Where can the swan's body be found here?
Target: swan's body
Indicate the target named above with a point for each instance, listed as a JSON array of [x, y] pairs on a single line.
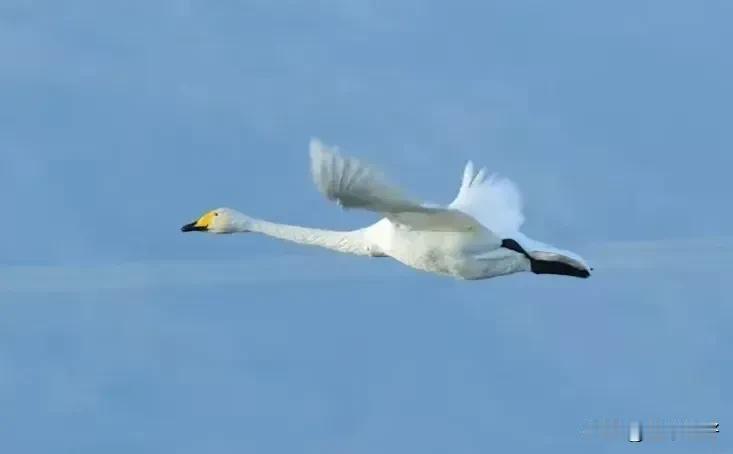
[[475, 237]]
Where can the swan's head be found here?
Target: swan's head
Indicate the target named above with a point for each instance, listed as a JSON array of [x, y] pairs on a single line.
[[220, 220]]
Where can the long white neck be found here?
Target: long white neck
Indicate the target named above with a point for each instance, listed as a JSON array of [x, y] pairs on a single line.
[[349, 242]]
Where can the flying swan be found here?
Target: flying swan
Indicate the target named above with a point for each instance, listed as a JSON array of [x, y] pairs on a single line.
[[475, 237]]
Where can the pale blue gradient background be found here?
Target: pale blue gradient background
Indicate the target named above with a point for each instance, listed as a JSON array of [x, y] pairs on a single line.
[[120, 121]]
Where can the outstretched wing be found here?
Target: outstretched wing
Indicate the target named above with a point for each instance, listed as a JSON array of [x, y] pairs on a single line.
[[354, 184], [494, 201]]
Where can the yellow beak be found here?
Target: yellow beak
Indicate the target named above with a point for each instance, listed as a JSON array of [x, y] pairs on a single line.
[[201, 225]]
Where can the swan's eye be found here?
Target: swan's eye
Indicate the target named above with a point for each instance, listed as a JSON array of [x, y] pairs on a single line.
[[216, 214]]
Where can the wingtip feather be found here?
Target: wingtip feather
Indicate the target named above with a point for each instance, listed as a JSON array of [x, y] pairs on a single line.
[[467, 175], [480, 176], [316, 147]]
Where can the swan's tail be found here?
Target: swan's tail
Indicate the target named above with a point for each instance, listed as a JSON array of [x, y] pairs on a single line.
[[553, 267], [549, 263]]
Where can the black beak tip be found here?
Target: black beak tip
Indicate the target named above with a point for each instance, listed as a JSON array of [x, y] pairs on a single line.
[[189, 227]]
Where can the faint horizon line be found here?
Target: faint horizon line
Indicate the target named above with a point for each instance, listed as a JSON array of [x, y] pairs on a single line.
[[681, 255]]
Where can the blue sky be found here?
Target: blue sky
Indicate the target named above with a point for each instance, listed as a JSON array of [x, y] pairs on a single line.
[[120, 121]]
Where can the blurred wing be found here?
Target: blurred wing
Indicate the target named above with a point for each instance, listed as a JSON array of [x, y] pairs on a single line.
[[494, 202], [353, 184]]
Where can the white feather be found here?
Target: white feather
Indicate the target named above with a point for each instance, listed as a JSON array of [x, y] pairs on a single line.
[[463, 239], [354, 184], [495, 202]]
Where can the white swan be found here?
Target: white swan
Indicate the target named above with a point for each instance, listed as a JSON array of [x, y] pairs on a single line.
[[475, 237]]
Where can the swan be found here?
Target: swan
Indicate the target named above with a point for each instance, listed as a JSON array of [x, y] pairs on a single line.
[[474, 237]]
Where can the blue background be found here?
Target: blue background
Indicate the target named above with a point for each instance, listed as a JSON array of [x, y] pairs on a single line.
[[120, 121]]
